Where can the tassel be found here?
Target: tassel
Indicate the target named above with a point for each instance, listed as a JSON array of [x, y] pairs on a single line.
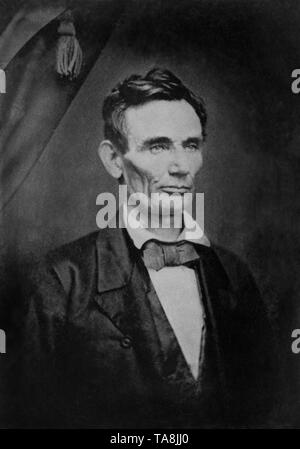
[[68, 52]]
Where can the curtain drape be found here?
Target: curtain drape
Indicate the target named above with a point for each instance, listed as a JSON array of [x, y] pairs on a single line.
[[36, 96]]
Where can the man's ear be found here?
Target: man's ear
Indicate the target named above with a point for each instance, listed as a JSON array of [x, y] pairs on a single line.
[[110, 158]]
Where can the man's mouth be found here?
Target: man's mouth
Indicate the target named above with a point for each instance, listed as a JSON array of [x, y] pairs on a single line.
[[180, 190]]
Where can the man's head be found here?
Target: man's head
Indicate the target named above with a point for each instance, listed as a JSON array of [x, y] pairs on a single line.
[[154, 129]]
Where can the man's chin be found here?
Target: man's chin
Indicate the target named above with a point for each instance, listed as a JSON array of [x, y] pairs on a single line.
[[161, 203]]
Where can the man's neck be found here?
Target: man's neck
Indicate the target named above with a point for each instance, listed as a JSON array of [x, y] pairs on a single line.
[[166, 234], [167, 230]]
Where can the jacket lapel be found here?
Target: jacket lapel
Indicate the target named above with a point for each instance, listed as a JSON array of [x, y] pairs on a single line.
[[219, 303], [122, 295]]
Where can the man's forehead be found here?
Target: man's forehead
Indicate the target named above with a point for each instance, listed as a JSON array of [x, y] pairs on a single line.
[[176, 118]]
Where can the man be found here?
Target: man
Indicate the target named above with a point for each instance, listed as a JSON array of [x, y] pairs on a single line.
[[139, 325]]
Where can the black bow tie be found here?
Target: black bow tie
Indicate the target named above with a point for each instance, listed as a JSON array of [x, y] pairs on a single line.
[[157, 255]]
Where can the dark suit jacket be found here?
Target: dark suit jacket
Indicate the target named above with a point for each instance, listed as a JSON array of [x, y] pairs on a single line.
[[92, 356]]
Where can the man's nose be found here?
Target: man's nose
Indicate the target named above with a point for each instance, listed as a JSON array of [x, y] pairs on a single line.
[[179, 162]]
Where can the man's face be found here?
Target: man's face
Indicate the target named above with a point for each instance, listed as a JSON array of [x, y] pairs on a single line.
[[164, 148]]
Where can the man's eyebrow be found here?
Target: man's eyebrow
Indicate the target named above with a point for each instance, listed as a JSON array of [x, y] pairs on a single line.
[[160, 140], [155, 141], [194, 140]]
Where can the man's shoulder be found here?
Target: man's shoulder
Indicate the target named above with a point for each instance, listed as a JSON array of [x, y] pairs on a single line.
[[72, 263], [227, 256], [74, 251], [236, 268], [62, 265], [81, 259]]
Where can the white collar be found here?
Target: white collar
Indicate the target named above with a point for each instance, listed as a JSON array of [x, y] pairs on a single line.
[[140, 235]]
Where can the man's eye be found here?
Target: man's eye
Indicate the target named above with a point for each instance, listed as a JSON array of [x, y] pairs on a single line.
[[158, 148], [192, 146]]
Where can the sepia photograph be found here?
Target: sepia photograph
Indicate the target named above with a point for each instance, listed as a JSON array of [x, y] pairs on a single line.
[[149, 216]]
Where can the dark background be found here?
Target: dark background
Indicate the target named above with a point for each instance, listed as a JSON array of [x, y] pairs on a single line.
[[239, 56]]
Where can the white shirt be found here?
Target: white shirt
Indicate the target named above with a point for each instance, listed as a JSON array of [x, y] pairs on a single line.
[[177, 290]]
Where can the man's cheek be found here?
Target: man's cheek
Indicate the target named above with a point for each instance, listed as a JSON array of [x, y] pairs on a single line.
[[139, 183], [197, 165], [143, 179], [194, 170], [132, 176]]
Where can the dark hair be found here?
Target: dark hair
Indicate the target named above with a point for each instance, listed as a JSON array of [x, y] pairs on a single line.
[[157, 84]]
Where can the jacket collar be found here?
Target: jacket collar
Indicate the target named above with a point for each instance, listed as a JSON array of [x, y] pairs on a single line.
[[115, 258]]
